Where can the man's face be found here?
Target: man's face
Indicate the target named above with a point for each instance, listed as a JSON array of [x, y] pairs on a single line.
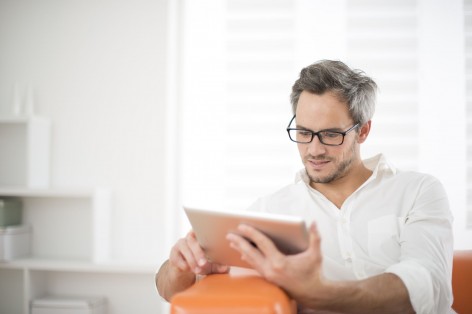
[[326, 164]]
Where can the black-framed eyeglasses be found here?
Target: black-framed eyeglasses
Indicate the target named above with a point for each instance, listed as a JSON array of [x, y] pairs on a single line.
[[326, 137]]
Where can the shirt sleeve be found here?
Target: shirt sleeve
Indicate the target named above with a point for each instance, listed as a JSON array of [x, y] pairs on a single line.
[[425, 265]]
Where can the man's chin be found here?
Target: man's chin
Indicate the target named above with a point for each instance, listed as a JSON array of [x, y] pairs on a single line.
[[318, 178]]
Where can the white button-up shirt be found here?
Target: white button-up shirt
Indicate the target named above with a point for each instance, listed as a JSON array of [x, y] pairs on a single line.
[[396, 222]]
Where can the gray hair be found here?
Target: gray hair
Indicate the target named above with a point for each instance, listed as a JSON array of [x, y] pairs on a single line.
[[351, 86]]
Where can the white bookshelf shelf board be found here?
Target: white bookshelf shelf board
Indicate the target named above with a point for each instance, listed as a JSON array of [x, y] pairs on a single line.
[[36, 264], [49, 193], [14, 119]]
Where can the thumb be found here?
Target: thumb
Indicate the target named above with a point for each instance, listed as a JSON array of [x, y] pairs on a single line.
[[314, 237]]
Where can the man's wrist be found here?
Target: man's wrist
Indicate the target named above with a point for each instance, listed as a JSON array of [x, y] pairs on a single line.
[[171, 280]]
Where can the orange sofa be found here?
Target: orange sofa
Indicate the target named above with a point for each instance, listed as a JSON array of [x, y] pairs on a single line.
[[462, 281], [228, 294]]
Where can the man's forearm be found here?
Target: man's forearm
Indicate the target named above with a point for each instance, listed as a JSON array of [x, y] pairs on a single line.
[[170, 280], [384, 293]]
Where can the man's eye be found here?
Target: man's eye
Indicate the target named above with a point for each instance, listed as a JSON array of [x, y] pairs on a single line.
[[330, 134], [304, 133]]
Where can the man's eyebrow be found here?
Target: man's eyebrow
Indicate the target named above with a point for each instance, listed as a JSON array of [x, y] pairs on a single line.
[[302, 127]]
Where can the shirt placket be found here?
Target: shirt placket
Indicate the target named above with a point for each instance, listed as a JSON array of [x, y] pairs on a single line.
[[345, 241]]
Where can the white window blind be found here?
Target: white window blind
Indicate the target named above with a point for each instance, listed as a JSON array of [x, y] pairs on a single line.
[[237, 148], [260, 53], [382, 41]]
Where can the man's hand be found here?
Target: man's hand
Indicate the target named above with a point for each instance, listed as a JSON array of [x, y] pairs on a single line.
[[300, 274], [187, 255], [186, 260]]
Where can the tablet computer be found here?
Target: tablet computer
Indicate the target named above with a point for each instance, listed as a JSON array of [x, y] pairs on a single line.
[[289, 233]]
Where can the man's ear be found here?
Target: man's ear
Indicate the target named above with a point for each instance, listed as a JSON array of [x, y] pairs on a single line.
[[364, 131]]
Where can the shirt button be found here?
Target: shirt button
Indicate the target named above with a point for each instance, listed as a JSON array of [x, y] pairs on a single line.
[[348, 257]]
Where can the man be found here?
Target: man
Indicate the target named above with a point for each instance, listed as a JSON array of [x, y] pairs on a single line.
[[380, 239]]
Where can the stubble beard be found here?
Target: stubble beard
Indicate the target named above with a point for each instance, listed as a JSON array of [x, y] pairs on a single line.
[[337, 173]]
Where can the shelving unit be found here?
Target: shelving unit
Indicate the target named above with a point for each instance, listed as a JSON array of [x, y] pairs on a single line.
[[70, 233], [70, 240]]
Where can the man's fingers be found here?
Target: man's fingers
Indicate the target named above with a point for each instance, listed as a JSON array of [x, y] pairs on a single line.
[[248, 249], [259, 240], [314, 247], [315, 239], [187, 255], [197, 251], [178, 260]]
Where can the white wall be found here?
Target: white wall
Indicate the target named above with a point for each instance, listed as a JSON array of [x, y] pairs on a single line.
[[98, 71]]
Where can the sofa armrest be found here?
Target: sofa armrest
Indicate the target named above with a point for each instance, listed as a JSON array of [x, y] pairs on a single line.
[[462, 281], [225, 293]]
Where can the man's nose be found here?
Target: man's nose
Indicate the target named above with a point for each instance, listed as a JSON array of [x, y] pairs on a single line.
[[315, 147]]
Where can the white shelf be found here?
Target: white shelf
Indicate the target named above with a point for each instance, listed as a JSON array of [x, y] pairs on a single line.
[[52, 193], [77, 266], [14, 119]]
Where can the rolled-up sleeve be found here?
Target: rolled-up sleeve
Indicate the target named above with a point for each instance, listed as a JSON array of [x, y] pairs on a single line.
[[426, 241]]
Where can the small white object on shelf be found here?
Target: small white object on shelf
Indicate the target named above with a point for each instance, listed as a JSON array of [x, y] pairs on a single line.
[[29, 101], [16, 100], [22, 105], [25, 144], [68, 305], [14, 242]]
